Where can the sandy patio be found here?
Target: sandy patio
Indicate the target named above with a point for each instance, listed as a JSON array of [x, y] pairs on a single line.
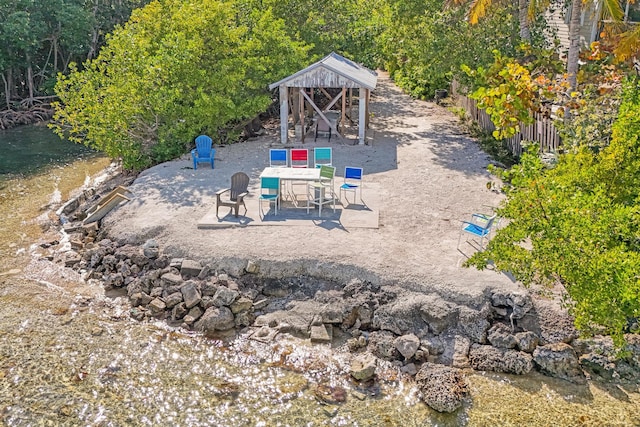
[[422, 175]]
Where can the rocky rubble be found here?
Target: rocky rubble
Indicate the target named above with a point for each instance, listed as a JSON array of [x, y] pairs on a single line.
[[426, 336]]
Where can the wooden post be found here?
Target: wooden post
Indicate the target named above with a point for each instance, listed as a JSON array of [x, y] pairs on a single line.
[[367, 107], [344, 107], [284, 114], [302, 114], [362, 114]]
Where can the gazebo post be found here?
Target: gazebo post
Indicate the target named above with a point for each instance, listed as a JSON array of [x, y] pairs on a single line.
[[284, 114], [344, 108], [362, 114], [302, 114]]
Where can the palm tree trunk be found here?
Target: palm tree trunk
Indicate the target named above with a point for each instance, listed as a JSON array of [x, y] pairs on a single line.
[[523, 10], [574, 44]]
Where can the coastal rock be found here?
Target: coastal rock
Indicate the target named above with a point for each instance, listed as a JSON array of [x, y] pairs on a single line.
[[442, 388], [224, 296], [500, 336], [407, 345], [240, 305], [488, 358], [252, 267], [438, 314], [151, 249], [599, 357], [194, 314], [215, 319], [549, 323], [400, 317], [190, 294], [173, 299], [171, 279], [473, 323], [209, 288], [157, 307], [559, 360], [382, 344], [527, 341], [321, 333], [190, 268], [461, 346], [363, 367], [518, 304], [179, 311]]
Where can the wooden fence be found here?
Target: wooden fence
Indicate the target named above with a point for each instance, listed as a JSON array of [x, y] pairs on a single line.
[[541, 130]]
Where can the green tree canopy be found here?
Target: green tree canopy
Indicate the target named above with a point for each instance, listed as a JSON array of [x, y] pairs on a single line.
[[174, 70], [578, 225]]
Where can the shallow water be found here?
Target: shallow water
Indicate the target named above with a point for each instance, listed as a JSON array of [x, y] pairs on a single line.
[[68, 359]]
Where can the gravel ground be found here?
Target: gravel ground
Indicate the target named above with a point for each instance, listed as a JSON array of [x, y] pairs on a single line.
[[431, 175]]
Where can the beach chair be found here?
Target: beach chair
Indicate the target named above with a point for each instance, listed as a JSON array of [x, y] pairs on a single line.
[[479, 226], [270, 192], [235, 194], [352, 183], [203, 151], [322, 156], [278, 158], [321, 192], [299, 158]]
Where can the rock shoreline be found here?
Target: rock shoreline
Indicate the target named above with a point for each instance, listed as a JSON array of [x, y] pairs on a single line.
[[427, 336]]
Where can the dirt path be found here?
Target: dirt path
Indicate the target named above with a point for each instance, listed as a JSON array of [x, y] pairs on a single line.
[[431, 176]]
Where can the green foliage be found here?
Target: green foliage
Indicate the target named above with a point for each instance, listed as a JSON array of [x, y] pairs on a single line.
[[511, 90], [426, 43], [173, 71], [349, 27], [38, 39], [578, 225]]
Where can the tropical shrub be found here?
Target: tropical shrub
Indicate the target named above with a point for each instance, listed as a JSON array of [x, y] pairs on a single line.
[[174, 70], [578, 226]]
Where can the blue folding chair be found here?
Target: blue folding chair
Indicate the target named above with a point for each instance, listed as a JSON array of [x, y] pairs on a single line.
[[479, 227], [278, 158], [322, 156], [352, 182], [269, 191], [203, 151]]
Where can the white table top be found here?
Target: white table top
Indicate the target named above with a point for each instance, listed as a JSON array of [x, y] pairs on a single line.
[[297, 174]]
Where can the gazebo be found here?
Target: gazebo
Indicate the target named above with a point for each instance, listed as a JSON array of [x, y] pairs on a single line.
[[333, 71]]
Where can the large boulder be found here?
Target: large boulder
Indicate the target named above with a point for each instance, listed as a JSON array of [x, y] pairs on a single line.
[[500, 336], [559, 360], [190, 293], [442, 388], [549, 322], [215, 319], [438, 313], [488, 358]]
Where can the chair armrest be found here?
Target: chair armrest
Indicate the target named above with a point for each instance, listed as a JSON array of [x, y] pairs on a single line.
[[220, 192], [241, 195]]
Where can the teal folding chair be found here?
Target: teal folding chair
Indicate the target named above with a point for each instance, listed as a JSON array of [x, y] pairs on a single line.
[[322, 156], [270, 192]]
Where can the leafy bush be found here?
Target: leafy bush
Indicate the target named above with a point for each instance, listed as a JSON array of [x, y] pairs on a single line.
[[577, 225], [173, 71]]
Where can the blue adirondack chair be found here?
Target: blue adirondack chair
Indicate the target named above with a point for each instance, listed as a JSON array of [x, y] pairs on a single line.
[[203, 151]]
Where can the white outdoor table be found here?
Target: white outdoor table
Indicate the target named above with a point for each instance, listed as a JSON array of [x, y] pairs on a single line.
[[292, 174]]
